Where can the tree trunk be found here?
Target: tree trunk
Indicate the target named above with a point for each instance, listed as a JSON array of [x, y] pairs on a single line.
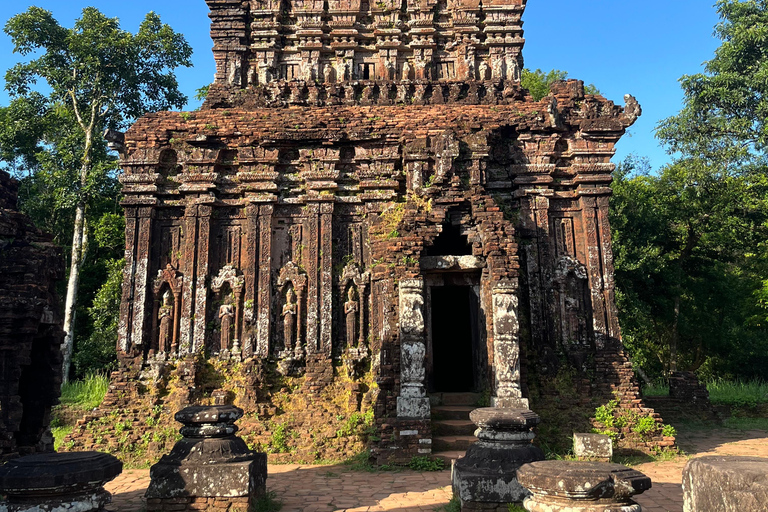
[[79, 247], [675, 335]]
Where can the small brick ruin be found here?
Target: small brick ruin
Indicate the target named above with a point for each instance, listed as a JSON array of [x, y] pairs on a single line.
[[369, 202], [30, 329]]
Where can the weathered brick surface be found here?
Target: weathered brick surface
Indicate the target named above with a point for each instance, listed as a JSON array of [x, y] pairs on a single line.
[[30, 329], [300, 221]]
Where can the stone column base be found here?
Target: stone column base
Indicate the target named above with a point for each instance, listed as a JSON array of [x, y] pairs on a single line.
[[554, 504], [408, 407], [198, 503]]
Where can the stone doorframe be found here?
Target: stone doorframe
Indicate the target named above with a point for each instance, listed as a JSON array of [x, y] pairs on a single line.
[[413, 401]]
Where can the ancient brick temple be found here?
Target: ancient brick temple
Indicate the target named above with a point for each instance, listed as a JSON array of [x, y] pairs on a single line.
[[368, 189], [30, 329]]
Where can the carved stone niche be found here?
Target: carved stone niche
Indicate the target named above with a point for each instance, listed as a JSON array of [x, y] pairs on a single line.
[[228, 285], [166, 313], [292, 291], [571, 285], [353, 288]]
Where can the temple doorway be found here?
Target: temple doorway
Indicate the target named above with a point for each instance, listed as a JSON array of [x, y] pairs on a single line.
[[454, 339]]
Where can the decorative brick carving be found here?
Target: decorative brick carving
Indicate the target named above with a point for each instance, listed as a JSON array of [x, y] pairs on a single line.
[[350, 160]]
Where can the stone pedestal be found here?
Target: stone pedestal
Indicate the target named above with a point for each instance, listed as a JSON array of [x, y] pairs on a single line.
[[566, 486], [595, 447], [210, 467], [486, 477], [58, 482], [725, 484]]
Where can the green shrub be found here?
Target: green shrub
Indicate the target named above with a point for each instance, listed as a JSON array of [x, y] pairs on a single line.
[[668, 431], [267, 502], [645, 425], [426, 464], [452, 506], [278, 441]]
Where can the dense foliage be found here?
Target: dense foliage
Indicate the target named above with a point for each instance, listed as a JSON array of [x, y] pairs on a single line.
[[93, 77], [690, 241]]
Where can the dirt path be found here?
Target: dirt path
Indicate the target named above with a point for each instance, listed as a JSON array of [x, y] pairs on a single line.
[[667, 492], [304, 488]]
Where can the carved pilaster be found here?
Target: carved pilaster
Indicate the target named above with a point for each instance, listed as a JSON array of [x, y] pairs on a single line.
[[124, 328], [413, 401], [201, 276], [326, 277], [265, 281], [139, 330], [506, 347], [187, 267]]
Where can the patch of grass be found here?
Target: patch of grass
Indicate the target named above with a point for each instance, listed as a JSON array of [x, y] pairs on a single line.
[[738, 394], [511, 507], [362, 462], [426, 464], [59, 433], [267, 502], [746, 423], [658, 388], [85, 394], [452, 506]]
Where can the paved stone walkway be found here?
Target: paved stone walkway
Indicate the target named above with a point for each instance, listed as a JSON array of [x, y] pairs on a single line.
[[304, 488]]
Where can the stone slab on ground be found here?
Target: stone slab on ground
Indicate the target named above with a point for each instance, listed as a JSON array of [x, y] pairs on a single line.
[[725, 484]]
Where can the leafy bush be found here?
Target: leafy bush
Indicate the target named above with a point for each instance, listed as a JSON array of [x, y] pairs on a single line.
[[278, 441], [612, 420], [426, 464], [97, 352], [267, 502]]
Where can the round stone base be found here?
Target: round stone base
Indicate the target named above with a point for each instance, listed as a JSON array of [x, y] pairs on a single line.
[[554, 504]]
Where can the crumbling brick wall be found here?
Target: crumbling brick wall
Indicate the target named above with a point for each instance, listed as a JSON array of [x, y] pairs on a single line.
[[298, 221], [30, 329]]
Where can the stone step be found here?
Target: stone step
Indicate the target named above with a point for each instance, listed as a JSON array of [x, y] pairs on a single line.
[[451, 412], [463, 427], [469, 399], [449, 457], [452, 443]]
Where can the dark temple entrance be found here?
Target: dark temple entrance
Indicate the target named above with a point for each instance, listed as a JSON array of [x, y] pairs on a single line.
[[454, 319]]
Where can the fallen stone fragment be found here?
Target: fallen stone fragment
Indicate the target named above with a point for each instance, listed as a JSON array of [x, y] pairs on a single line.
[[725, 484], [58, 482], [593, 447], [569, 486]]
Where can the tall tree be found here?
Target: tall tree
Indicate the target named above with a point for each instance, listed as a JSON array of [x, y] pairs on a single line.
[[694, 283], [100, 77], [726, 107]]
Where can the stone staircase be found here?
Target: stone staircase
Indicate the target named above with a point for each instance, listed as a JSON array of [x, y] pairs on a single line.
[[452, 430]]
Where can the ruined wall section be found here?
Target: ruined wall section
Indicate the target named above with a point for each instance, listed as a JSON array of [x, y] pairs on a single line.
[[295, 236], [30, 329]]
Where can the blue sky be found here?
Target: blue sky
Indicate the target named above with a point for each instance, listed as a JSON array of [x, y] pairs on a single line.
[[640, 48]]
